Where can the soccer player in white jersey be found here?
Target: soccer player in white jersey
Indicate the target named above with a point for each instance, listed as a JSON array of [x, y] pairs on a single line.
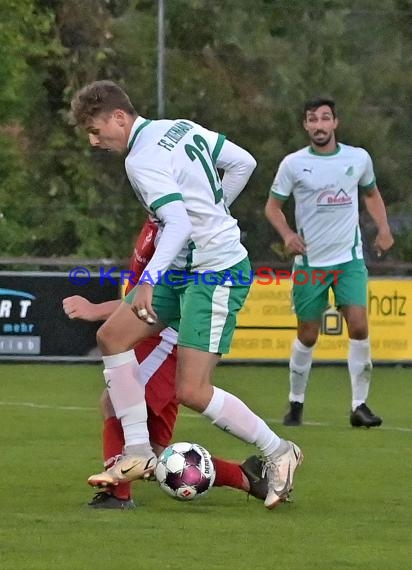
[[326, 179], [172, 166]]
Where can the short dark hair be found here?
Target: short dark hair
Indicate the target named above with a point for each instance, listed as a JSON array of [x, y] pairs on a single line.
[[96, 98], [316, 102]]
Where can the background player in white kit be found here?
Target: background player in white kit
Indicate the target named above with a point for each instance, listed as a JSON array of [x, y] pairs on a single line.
[[172, 166], [326, 179]]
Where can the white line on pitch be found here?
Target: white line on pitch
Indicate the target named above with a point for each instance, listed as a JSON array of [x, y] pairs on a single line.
[[182, 414]]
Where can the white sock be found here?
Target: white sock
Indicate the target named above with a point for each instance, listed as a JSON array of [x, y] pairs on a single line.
[[300, 364], [230, 414], [127, 395], [360, 370]]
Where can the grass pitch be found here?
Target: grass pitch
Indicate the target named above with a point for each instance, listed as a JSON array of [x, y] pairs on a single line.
[[353, 499]]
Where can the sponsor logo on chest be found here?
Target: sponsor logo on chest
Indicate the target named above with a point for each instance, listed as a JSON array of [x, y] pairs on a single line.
[[331, 197]]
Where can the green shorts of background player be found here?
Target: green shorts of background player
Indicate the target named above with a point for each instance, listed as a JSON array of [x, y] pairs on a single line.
[[311, 287]]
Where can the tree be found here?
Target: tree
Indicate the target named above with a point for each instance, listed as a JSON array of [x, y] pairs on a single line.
[[238, 67], [24, 37]]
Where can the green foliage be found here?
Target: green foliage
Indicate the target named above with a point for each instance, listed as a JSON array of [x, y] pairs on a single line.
[[238, 67], [23, 38]]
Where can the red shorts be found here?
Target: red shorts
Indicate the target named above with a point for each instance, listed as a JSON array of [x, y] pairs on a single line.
[[160, 393]]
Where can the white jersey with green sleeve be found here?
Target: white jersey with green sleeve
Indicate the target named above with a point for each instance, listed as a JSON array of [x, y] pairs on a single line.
[[325, 188], [177, 160]]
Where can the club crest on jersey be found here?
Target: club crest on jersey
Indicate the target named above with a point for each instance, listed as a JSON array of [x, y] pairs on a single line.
[[331, 198]]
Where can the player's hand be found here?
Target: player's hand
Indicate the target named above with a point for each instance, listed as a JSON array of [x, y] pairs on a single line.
[[295, 244], [142, 304], [78, 307], [384, 241]]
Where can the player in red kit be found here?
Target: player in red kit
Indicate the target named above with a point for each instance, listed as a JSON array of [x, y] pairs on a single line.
[[157, 358]]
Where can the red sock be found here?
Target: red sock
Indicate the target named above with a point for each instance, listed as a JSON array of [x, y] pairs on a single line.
[[113, 441], [228, 474]]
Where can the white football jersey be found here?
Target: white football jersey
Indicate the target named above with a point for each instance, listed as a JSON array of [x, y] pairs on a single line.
[[172, 160], [325, 188]]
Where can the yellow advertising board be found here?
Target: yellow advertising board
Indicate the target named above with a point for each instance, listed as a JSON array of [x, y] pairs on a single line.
[[266, 325]]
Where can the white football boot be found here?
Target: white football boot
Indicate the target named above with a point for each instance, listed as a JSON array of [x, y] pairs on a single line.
[[127, 468], [279, 472]]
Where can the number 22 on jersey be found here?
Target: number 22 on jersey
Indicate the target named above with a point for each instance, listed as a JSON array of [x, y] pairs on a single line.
[[201, 151]]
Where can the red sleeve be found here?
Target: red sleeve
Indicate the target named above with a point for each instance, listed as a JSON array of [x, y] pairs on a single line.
[[143, 252]]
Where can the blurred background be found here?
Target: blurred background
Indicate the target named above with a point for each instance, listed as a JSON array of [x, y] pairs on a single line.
[[242, 68]]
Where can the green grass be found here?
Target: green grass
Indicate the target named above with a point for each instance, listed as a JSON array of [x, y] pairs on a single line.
[[352, 509]]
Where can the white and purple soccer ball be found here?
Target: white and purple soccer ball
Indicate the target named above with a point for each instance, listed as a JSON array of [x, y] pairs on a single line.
[[185, 471]]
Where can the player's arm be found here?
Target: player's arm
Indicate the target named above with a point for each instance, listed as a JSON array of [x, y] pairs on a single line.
[[176, 231], [376, 208], [293, 241], [238, 165], [375, 205], [144, 249], [280, 191], [162, 194], [78, 307]]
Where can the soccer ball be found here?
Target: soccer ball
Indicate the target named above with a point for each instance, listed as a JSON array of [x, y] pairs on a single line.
[[185, 471]]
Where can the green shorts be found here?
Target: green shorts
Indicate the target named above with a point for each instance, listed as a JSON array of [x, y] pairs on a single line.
[[311, 285], [204, 304]]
